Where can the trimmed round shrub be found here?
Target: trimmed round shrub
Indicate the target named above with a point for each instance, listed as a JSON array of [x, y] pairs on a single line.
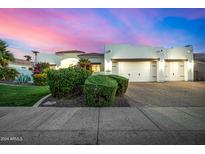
[[40, 79], [8, 74], [100, 91], [67, 81], [122, 84]]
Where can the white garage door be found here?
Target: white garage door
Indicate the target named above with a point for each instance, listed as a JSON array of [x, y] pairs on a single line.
[[138, 71], [174, 71]]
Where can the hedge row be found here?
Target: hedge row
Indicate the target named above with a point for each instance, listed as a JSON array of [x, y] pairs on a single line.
[[67, 81], [122, 84], [100, 90]]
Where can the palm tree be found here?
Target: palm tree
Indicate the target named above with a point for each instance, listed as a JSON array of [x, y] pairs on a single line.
[[5, 55], [85, 63], [28, 58]]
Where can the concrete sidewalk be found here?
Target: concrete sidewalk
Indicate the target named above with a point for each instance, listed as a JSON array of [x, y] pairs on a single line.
[[131, 125]]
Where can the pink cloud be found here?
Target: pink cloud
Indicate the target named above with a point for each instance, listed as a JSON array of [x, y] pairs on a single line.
[[147, 40], [50, 30], [31, 34], [19, 53], [33, 29]]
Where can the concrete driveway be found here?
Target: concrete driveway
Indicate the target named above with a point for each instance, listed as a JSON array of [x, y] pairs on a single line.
[[167, 94], [125, 125]]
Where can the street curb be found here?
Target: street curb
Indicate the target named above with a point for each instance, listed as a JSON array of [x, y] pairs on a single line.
[[41, 100]]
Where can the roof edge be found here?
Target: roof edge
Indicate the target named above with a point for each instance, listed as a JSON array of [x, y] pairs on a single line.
[[69, 51], [92, 54]]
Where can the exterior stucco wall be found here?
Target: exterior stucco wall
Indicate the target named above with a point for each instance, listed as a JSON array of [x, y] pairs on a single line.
[[68, 59], [64, 60], [129, 52], [148, 52], [59, 59], [179, 53]]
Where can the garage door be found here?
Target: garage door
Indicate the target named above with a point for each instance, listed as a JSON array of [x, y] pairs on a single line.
[[174, 71], [138, 71]]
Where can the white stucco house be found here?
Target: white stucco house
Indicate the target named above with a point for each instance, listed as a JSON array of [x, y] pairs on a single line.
[[148, 64], [137, 63]]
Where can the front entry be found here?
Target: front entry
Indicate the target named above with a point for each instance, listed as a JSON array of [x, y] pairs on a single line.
[[95, 67]]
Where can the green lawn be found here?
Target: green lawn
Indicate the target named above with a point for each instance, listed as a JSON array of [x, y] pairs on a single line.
[[21, 95]]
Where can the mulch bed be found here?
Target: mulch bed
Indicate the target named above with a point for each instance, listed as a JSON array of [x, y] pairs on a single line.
[[78, 101]]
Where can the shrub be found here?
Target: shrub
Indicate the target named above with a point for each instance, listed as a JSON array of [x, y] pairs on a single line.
[[85, 63], [40, 68], [23, 78], [40, 79], [40, 74], [122, 84], [8, 74], [67, 81], [100, 91]]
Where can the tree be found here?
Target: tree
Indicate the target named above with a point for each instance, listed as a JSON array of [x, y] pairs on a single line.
[[5, 55], [28, 58], [85, 63]]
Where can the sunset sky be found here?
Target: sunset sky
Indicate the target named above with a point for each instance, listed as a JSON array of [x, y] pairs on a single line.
[[50, 30]]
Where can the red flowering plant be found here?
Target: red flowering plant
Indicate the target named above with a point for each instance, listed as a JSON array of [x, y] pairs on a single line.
[[40, 68], [40, 73]]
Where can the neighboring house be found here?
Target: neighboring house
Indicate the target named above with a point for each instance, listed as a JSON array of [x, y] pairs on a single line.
[[22, 66], [138, 63], [199, 66]]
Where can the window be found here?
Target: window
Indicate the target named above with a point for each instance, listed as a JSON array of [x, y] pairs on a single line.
[[96, 67]]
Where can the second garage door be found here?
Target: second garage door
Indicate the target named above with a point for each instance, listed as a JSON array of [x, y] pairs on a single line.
[[174, 71], [138, 71]]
